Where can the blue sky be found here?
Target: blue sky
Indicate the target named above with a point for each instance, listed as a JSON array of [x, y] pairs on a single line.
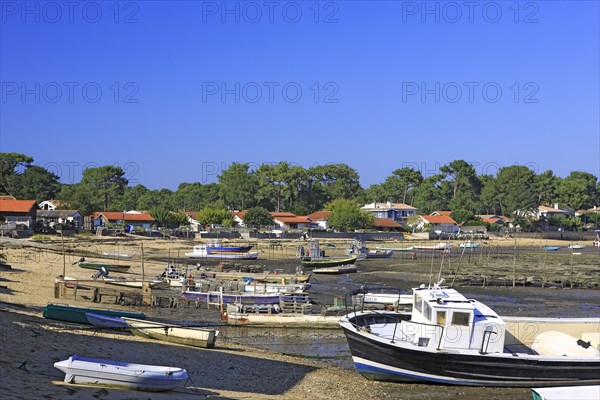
[[173, 92]]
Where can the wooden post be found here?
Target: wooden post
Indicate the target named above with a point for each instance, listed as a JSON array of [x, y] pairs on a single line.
[[63, 250], [146, 294], [143, 269]]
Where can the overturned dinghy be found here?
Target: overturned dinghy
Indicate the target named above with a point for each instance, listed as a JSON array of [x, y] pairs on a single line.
[[151, 378]]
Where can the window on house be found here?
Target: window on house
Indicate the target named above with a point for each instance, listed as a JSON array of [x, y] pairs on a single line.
[[460, 318]]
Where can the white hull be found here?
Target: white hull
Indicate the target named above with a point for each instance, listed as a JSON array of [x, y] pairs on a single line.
[[116, 373], [567, 393], [129, 283], [388, 298], [191, 336], [283, 320], [253, 255], [118, 255]]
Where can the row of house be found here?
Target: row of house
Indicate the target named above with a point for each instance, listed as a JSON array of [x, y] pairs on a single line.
[[28, 215], [388, 216]]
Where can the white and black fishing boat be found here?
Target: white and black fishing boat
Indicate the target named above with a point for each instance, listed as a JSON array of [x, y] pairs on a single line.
[[450, 339]]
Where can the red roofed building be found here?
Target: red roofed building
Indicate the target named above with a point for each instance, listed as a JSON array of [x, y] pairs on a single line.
[[133, 218], [293, 222], [398, 212], [494, 219], [442, 213], [320, 218], [386, 224], [22, 212], [437, 224]]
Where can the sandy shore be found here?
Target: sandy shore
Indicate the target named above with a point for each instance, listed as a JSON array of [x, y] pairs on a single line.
[[32, 344]]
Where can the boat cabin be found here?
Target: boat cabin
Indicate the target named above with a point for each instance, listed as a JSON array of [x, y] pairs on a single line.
[[442, 318]]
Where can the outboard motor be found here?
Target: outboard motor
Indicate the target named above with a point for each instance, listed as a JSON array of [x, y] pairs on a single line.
[[102, 272]]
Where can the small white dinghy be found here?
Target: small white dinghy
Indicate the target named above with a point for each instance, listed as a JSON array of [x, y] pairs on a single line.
[[151, 378], [567, 393]]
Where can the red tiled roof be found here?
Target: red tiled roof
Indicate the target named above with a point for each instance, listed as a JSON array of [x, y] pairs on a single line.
[[117, 215], [319, 215], [293, 220], [442, 213], [240, 214], [386, 223], [438, 219], [16, 206], [276, 214]]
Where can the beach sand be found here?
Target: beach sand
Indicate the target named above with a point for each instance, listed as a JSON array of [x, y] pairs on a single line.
[[32, 344]]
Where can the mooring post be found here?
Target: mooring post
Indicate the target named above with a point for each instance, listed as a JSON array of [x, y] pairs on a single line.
[[146, 294]]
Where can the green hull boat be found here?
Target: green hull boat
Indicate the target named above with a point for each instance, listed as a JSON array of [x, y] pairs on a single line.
[[78, 314], [109, 267]]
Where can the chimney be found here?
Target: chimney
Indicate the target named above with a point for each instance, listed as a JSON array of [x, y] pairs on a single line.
[[556, 206], [389, 204]]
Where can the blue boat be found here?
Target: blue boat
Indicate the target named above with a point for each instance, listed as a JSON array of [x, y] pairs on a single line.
[[78, 314], [551, 248], [105, 321]]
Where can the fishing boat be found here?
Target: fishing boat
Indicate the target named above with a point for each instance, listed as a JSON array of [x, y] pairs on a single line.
[[219, 297], [120, 256], [202, 251], [395, 248], [551, 248], [109, 267], [437, 247], [340, 269], [567, 393], [240, 315], [215, 247], [327, 262], [135, 283], [378, 253], [78, 314], [190, 336], [577, 246], [395, 299], [469, 245], [258, 276], [450, 339], [152, 378], [105, 321]]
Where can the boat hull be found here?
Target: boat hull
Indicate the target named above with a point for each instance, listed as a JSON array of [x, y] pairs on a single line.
[[379, 253], [223, 249], [343, 269], [104, 321], [109, 267], [227, 256], [115, 373], [189, 336], [334, 262], [78, 314], [379, 359]]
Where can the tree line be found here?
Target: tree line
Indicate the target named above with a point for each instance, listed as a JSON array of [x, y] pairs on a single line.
[[293, 188]]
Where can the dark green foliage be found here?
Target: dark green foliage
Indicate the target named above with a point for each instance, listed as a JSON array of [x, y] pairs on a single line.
[[258, 217]]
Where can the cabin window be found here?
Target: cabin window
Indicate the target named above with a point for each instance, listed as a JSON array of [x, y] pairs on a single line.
[[460, 318], [427, 310], [419, 303], [441, 317]]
